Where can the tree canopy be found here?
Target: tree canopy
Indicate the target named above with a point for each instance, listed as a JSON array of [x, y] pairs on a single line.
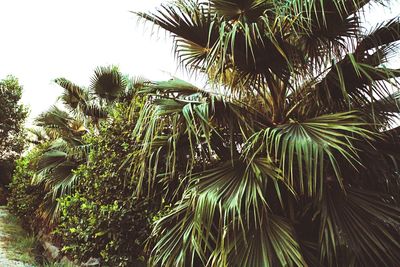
[[287, 159], [12, 118]]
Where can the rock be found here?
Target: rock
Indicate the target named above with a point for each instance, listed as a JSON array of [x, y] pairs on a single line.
[[52, 251], [92, 262]]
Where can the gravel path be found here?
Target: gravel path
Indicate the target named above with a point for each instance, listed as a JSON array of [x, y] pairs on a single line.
[[4, 262]]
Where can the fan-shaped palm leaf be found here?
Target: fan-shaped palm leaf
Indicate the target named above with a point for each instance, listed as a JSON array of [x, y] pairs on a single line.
[[108, 82]]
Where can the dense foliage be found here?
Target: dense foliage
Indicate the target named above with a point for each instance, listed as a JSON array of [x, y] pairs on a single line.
[[25, 198], [104, 218], [12, 117], [72, 185], [81, 111], [287, 158]]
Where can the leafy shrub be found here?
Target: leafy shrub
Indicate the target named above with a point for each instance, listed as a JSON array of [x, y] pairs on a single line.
[[114, 232], [104, 218], [25, 198]]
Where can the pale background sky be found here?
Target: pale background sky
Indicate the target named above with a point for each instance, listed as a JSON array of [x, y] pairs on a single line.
[[45, 39]]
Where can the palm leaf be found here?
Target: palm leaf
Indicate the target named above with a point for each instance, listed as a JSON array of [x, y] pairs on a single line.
[[192, 28], [249, 10], [301, 148], [383, 34], [362, 222], [73, 95], [231, 195], [108, 82]]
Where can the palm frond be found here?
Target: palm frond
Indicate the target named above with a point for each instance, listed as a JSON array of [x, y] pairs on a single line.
[[174, 85], [37, 135], [355, 83], [231, 196], [361, 222], [193, 31], [108, 82], [55, 170], [73, 95], [303, 149], [249, 10], [54, 118], [383, 34]]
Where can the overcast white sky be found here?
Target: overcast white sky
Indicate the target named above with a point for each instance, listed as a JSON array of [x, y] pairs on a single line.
[[45, 39]]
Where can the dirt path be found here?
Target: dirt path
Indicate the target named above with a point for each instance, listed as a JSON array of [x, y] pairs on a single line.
[[4, 262]]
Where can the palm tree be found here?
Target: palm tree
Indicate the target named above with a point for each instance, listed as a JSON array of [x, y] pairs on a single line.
[[63, 130], [293, 162], [107, 85]]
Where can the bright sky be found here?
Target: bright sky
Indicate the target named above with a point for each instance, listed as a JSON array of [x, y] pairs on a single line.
[[46, 39]]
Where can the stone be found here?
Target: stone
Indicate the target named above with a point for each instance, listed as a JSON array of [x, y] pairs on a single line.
[[92, 262], [52, 251]]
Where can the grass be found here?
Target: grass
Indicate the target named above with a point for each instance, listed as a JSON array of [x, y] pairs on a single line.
[[20, 246]]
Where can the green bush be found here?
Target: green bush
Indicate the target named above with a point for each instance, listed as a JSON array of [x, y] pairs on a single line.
[[113, 232], [25, 198], [104, 218]]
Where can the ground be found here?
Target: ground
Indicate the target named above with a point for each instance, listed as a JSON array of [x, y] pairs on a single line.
[[16, 247]]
